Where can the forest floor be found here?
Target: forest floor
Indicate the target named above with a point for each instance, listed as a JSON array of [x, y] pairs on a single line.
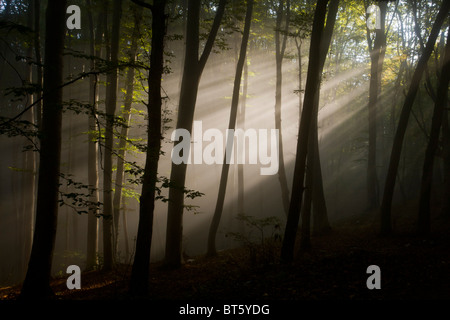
[[336, 269]]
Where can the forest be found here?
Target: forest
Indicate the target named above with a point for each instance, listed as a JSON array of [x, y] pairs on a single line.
[[271, 150]]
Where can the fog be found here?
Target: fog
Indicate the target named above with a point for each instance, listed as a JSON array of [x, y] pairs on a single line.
[[342, 131]]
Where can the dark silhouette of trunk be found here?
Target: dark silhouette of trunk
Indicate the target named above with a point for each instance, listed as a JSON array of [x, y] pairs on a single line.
[[26, 212], [385, 212], [110, 103], [241, 125], [312, 87], [314, 196], [92, 229], [129, 85], [280, 47], [231, 126], [139, 281], [445, 210], [298, 44], [125, 228], [424, 219], [38, 58], [37, 280], [193, 68], [377, 53]]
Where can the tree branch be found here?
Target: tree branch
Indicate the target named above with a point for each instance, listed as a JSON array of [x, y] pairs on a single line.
[[143, 4], [212, 35]]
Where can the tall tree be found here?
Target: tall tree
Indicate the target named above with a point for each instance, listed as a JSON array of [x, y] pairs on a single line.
[[231, 126], [38, 58], [377, 52], [92, 229], [312, 86], [193, 68], [129, 89], [385, 211], [140, 271], [110, 103], [37, 280], [424, 221], [281, 35], [314, 194]]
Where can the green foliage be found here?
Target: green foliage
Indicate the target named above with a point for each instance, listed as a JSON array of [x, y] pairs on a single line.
[[76, 195]]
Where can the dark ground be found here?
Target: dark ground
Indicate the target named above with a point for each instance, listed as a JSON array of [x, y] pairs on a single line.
[[412, 268]]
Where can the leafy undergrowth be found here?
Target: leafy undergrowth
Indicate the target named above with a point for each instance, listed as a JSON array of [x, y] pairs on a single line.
[[411, 268]]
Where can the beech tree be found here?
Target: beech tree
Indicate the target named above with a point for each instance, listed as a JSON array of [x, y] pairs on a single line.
[[37, 280], [424, 219], [231, 126], [377, 49], [311, 89], [385, 211], [192, 71], [140, 271], [110, 103]]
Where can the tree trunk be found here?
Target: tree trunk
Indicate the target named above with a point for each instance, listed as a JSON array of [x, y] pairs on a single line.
[[139, 282], [314, 186], [241, 124], [111, 101], [312, 87], [388, 194], [280, 47], [231, 126], [377, 54], [38, 57], [445, 209], [37, 280], [193, 68], [424, 219], [29, 165], [92, 229], [124, 131]]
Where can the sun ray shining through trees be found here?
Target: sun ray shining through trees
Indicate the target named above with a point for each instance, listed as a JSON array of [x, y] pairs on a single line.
[[225, 149]]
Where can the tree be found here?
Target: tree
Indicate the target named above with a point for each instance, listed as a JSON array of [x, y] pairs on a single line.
[[377, 53], [280, 48], [231, 126], [140, 271], [193, 68], [37, 280], [311, 89], [111, 101], [129, 87], [313, 182], [385, 211], [424, 220], [95, 51]]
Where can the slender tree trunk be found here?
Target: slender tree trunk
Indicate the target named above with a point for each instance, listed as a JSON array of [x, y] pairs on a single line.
[[139, 282], [388, 194], [445, 210], [231, 126], [124, 130], [111, 101], [241, 125], [125, 228], [312, 87], [377, 57], [37, 280], [280, 45], [193, 68], [314, 186], [38, 57], [29, 164], [92, 229], [424, 220]]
